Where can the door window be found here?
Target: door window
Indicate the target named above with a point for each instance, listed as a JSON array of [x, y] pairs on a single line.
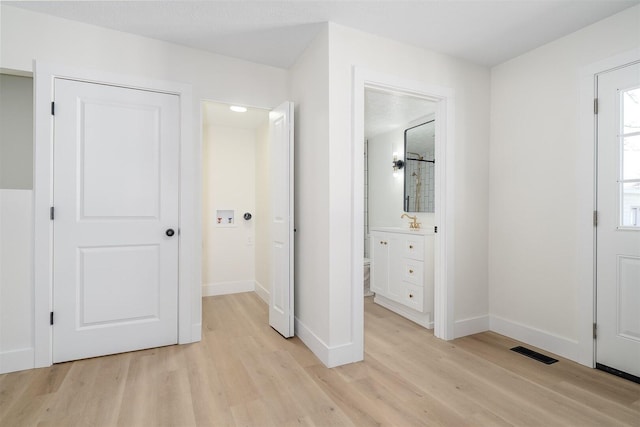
[[630, 157]]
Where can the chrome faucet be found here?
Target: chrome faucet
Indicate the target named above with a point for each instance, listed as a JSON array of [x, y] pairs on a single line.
[[414, 224]]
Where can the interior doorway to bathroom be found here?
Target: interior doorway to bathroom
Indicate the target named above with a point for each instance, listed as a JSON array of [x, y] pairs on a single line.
[[399, 204], [442, 99], [247, 194]]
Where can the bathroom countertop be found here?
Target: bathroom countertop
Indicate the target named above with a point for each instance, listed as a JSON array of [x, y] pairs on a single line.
[[424, 231]]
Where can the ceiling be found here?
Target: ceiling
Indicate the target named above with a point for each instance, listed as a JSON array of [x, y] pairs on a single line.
[[385, 111], [276, 32], [218, 114]]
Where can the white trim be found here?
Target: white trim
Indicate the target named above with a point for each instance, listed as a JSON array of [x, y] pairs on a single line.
[[16, 360], [190, 228], [422, 319], [586, 196], [444, 241], [226, 288], [471, 325], [330, 356], [556, 344], [262, 292]]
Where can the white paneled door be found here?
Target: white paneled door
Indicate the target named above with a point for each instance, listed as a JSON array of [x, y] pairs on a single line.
[[282, 229], [618, 228], [116, 202]]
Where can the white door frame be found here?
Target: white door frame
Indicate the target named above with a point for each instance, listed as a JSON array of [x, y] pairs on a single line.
[[587, 197], [444, 254], [189, 224]]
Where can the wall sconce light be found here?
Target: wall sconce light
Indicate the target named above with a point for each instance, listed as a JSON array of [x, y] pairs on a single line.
[[397, 164]]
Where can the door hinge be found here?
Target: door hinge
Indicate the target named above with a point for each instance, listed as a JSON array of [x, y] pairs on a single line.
[[595, 105], [595, 331], [595, 218], [52, 214], [53, 108], [435, 229], [51, 318]]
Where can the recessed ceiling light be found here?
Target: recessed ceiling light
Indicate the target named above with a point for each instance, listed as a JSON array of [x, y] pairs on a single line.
[[238, 109]]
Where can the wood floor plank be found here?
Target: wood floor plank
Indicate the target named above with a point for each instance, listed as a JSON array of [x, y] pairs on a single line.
[[243, 373]]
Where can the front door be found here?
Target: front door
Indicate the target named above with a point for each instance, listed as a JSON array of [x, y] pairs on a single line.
[[115, 216], [618, 229]]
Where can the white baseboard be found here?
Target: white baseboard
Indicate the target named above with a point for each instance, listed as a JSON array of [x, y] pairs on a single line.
[[330, 356], [16, 360], [470, 326], [262, 292], [422, 319], [544, 340], [224, 288]]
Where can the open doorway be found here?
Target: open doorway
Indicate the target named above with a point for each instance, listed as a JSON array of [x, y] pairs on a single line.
[[235, 200], [248, 205], [399, 204], [443, 215]]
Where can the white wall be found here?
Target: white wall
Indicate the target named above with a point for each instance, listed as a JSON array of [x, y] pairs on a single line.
[[348, 47], [310, 93], [16, 132], [541, 187], [25, 36], [16, 318], [228, 250]]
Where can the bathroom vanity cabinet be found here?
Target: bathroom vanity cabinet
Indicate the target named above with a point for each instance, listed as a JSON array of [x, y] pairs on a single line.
[[402, 272]]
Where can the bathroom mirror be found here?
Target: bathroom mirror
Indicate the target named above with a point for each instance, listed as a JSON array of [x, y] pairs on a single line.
[[419, 151]]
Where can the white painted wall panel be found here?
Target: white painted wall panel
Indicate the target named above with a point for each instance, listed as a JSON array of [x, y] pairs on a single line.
[[16, 288], [310, 93]]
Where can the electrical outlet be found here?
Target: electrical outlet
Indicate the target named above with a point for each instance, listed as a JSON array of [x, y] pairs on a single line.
[[249, 240]]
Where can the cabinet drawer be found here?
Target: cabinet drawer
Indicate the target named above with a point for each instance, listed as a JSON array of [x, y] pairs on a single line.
[[412, 296], [413, 271], [414, 247]]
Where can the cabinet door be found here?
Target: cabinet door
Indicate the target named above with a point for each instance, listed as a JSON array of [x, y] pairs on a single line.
[[380, 263]]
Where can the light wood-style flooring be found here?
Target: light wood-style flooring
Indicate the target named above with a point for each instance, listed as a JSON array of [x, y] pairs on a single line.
[[245, 374]]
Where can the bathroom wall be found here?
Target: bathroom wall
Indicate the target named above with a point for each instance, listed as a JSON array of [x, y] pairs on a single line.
[[426, 172], [229, 180], [386, 193]]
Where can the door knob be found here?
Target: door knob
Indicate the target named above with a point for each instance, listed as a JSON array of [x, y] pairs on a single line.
[[170, 232]]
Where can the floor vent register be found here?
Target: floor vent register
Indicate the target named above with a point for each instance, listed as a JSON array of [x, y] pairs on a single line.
[[534, 355]]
